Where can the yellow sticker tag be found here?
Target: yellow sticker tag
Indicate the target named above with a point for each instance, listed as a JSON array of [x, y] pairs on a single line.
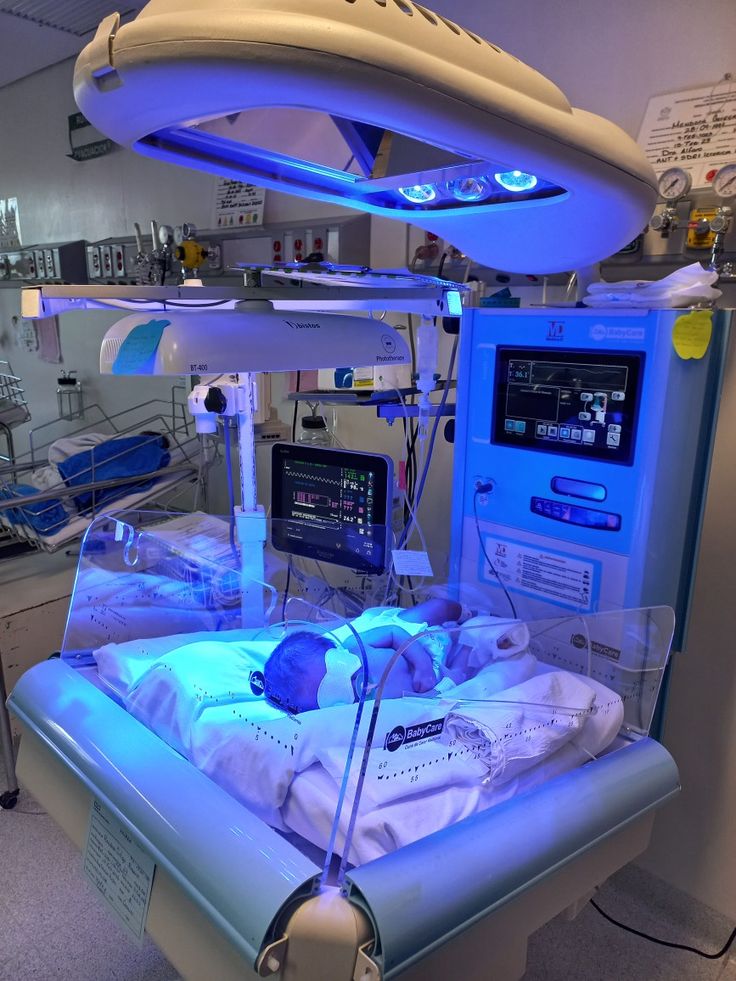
[[691, 334]]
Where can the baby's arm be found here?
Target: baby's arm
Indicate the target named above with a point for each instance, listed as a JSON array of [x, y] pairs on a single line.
[[393, 637], [432, 612]]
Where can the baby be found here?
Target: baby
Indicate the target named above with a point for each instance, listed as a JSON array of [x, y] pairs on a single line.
[[308, 670]]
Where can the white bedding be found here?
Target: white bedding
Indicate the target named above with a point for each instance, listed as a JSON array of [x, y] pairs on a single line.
[[530, 723]]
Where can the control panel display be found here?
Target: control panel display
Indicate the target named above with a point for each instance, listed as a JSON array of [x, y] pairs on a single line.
[[574, 403], [331, 505]]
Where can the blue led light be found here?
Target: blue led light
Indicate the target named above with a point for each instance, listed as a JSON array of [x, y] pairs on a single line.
[[419, 193], [469, 188], [516, 180]]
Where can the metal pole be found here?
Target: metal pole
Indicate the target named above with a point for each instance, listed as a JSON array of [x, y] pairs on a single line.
[[250, 519], [9, 799]]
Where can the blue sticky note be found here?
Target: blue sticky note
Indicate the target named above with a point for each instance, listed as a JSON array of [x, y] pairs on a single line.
[[138, 351]]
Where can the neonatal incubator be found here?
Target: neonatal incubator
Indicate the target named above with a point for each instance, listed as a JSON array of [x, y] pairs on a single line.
[[445, 799], [262, 820]]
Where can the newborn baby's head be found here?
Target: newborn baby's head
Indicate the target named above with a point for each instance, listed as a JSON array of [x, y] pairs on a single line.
[[307, 671]]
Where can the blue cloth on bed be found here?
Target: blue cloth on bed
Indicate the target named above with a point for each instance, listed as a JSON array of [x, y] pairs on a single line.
[[45, 517], [127, 456]]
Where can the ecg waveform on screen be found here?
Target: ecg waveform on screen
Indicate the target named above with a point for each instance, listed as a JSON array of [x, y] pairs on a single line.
[[315, 478], [331, 497]]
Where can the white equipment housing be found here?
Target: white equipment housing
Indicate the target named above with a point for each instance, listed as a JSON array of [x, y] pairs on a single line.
[[255, 338], [215, 87]]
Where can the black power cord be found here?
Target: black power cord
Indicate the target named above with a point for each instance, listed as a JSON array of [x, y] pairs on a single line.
[[666, 943], [484, 489], [287, 587]]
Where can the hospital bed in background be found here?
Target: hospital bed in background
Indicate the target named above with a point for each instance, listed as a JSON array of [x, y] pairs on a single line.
[[14, 412], [47, 510], [14, 409], [402, 836]]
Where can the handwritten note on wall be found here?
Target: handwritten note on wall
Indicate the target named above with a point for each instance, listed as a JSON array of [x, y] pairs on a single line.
[[694, 129]]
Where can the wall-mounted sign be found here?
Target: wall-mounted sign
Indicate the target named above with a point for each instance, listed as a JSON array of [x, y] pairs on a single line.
[[237, 205], [9, 225], [85, 151], [694, 129]]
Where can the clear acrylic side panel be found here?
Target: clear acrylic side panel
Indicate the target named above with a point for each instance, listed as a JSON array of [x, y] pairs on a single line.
[[345, 706], [177, 622], [147, 575], [466, 717]]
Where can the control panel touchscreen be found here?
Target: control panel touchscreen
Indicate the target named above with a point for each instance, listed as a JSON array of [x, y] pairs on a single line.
[[576, 403]]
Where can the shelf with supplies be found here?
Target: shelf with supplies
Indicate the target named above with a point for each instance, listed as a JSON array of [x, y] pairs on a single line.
[[386, 401]]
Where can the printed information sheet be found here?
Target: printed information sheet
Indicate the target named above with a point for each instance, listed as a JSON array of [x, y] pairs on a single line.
[[546, 574], [119, 869]]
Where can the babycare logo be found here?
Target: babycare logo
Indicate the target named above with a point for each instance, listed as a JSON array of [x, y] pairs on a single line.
[[303, 324], [602, 650], [599, 332], [399, 736], [257, 682]]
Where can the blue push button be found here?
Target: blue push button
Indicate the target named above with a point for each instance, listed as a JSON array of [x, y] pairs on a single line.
[[579, 488]]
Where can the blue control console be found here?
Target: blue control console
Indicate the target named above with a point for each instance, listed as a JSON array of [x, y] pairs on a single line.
[[594, 436]]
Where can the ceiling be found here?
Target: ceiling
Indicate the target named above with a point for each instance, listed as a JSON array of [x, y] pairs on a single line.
[[37, 33]]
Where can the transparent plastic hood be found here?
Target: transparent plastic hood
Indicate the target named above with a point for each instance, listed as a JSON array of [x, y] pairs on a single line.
[[348, 721]]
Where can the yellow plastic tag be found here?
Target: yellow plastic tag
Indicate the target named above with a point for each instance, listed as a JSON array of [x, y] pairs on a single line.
[[691, 334]]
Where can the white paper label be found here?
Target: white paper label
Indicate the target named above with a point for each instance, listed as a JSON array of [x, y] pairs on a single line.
[[548, 575], [119, 869], [694, 129], [409, 563], [237, 205], [9, 224]]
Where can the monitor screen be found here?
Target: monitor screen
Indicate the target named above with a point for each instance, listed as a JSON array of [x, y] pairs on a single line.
[[576, 403], [331, 504]]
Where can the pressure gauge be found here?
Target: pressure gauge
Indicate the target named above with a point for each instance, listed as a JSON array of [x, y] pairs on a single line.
[[674, 184], [184, 232], [724, 183]]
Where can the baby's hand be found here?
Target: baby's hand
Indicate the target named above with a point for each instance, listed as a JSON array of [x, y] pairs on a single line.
[[420, 667]]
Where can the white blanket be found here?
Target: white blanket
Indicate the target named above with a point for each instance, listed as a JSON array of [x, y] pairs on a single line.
[[309, 810], [432, 761], [122, 666]]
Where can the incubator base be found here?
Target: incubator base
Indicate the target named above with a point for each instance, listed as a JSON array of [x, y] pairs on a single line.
[[326, 943]]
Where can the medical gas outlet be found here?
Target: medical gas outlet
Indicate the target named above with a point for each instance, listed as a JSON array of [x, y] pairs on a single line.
[[673, 185]]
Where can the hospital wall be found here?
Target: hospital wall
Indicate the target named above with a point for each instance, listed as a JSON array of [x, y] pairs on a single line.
[[607, 58]]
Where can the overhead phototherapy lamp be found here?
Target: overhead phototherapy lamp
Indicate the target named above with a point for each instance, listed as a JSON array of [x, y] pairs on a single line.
[[380, 105]]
